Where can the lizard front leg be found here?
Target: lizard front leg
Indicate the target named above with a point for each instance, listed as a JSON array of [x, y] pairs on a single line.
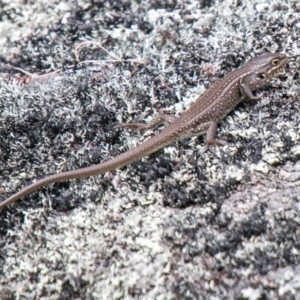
[[245, 90]]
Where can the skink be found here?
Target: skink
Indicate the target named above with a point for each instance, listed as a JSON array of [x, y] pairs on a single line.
[[202, 117]]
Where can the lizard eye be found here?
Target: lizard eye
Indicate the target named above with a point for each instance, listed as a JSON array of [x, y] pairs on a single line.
[[261, 76], [275, 61]]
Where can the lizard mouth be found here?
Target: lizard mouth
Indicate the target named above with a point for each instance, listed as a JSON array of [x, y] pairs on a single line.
[[282, 68], [280, 71]]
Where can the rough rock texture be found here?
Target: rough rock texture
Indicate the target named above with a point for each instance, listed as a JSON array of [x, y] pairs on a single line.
[[188, 222]]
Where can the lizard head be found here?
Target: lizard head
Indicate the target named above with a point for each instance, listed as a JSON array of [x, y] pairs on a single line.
[[261, 69]]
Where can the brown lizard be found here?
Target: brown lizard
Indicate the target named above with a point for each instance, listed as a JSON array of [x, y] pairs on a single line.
[[203, 116]]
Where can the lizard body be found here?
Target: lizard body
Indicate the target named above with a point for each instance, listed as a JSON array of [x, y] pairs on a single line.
[[203, 116]]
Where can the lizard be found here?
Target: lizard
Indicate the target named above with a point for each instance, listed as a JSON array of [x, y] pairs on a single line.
[[202, 117]]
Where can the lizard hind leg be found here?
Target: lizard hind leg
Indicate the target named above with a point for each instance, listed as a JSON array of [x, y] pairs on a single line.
[[160, 119], [211, 129], [211, 135]]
